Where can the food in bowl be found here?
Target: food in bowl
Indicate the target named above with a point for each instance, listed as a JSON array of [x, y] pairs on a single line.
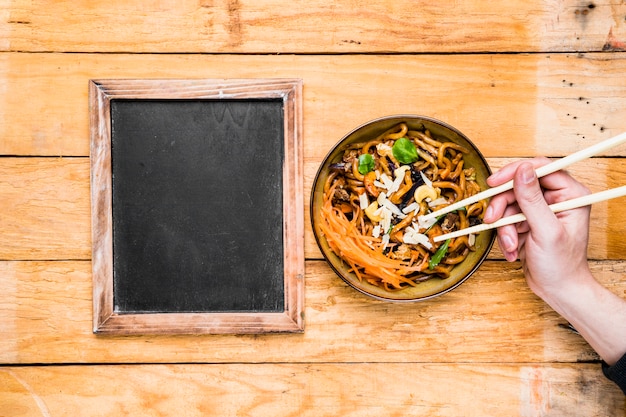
[[373, 197]]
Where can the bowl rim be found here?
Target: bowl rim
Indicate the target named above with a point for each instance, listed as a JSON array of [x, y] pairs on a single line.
[[320, 170]]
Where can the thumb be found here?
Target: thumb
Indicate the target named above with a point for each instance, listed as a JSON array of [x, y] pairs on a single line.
[[530, 197]]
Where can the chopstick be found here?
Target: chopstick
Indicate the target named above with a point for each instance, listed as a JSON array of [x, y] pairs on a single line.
[[585, 200], [541, 171]]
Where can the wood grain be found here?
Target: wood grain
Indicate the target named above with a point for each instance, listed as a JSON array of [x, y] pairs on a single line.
[[45, 208], [38, 215], [45, 317], [273, 26], [105, 318], [518, 78], [509, 104], [310, 390]]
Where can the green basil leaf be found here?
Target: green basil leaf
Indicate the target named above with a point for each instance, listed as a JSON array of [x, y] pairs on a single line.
[[405, 151], [366, 163], [439, 254]]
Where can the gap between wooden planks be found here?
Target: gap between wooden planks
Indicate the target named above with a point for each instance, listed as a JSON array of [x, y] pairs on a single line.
[[263, 26], [46, 208], [509, 105], [492, 318]]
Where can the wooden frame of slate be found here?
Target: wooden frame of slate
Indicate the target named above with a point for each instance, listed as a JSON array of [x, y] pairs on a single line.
[[197, 206]]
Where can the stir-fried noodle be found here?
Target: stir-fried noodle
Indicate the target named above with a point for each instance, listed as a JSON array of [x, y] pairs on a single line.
[[372, 206]]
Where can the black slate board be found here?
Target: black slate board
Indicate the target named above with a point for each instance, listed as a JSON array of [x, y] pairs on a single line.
[[197, 205]]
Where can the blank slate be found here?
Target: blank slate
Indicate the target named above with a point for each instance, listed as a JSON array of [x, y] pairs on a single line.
[[197, 211]]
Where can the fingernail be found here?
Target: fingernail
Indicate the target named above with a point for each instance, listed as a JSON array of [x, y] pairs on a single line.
[[510, 256], [507, 242], [488, 212], [528, 175], [493, 177]]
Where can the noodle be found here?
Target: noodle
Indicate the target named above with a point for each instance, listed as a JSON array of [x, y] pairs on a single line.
[[370, 213]]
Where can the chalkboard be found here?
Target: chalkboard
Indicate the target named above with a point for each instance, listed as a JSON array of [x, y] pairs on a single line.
[[197, 208]]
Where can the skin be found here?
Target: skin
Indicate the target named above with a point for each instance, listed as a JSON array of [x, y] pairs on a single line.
[[553, 251]]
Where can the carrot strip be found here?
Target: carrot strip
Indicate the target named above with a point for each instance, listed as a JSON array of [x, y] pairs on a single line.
[[348, 231]]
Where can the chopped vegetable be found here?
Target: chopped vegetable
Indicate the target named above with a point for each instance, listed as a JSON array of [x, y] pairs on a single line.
[[438, 218], [366, 163], [405, 151], [372, 220], [439, 254]]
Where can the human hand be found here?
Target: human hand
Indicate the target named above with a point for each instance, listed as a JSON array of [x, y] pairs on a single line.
[[553, 251], [552, 247]]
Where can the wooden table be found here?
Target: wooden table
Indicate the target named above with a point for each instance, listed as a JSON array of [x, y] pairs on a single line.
[[519, 78]]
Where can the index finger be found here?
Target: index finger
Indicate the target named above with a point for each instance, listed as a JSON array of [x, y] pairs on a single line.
[[507, 172]]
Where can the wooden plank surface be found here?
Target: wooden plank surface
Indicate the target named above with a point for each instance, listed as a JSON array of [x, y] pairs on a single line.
[[273, 26], [519, 78], [526, 390], [45, 317], [38, 215], [45, 209], [509, 105]]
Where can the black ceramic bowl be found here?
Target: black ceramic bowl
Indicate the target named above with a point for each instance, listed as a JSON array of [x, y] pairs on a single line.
[[432, 287]]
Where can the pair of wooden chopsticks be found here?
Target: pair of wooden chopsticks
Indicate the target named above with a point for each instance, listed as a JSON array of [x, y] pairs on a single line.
[[541, 171]]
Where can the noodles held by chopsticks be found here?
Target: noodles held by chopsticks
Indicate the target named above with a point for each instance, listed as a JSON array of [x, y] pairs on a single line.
[[374, 197]]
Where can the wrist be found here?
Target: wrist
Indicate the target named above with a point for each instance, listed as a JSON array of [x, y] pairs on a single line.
[[566, 299], [592, 310], [564, 288]]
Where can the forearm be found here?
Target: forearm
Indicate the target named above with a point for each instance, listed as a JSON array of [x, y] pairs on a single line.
[[595, 312]]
